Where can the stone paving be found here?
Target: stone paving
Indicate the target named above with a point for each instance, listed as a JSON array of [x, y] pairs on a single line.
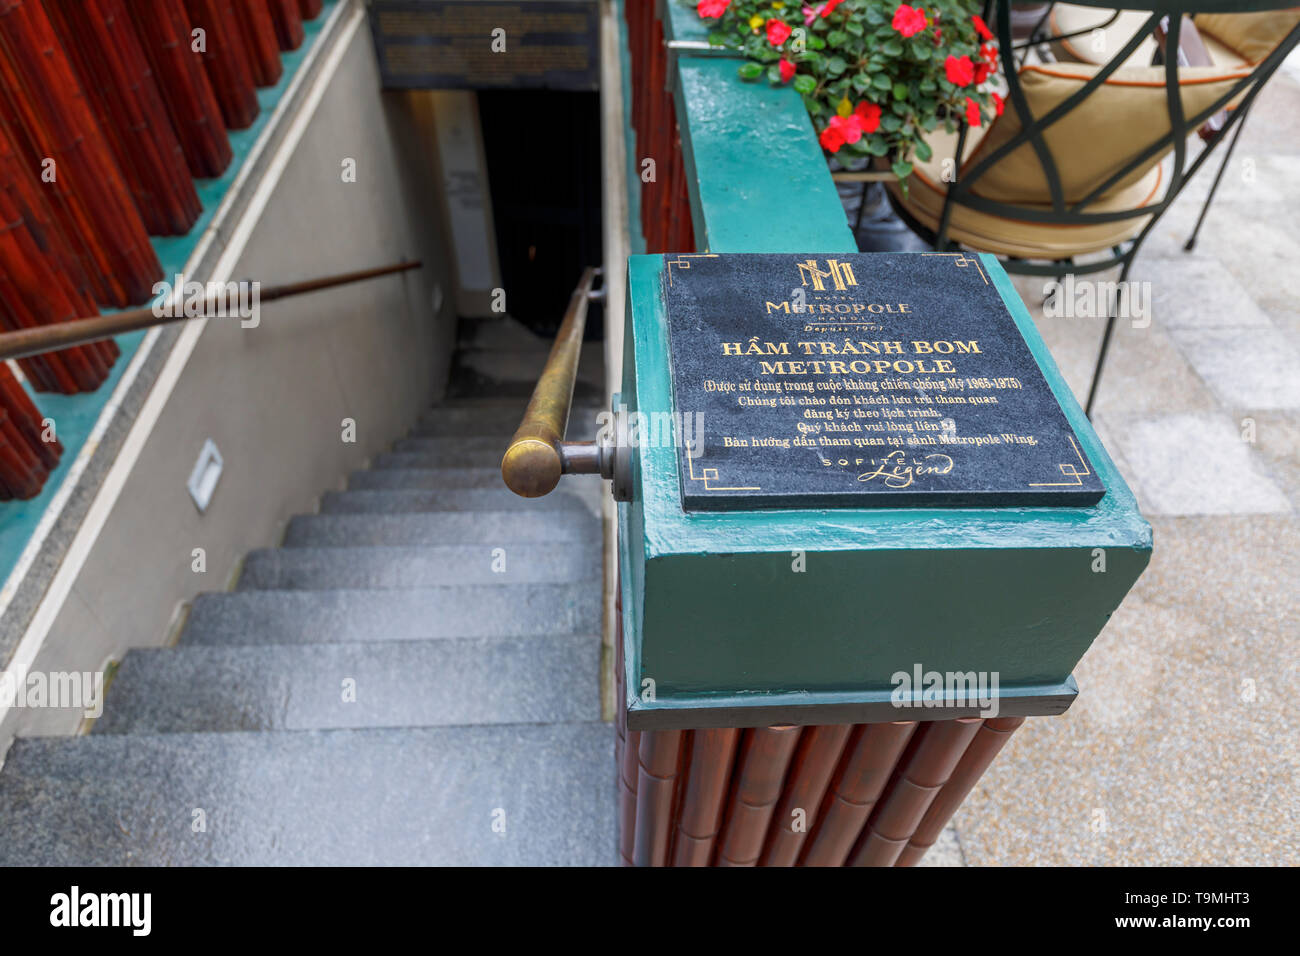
[[1182, 747]]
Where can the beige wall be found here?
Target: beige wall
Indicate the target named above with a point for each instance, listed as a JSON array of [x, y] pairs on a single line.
[[273, 398]]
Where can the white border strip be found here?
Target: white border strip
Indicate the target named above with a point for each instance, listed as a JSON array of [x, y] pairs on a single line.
[[97, 515]]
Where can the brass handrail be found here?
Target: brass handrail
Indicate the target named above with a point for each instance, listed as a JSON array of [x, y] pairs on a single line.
[[538, 454], [22, 343]]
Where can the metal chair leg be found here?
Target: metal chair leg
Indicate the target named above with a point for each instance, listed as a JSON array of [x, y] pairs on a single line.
[[1112, 313], [1227, 158]]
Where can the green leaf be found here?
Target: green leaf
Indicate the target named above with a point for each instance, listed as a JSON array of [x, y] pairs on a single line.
[[900, 91], [890, 123], [805, 84], [816, 43], [836, 37], [922, 51], [892, 48], [876, 145], [923, 151], [836, 65], [854, 27], [902, 169], [774, 75], [861, 82], [881, 82], [750, 71]]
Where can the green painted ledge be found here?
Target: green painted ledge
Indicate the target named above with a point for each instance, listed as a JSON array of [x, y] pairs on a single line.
[[758, 182], [76, 415]]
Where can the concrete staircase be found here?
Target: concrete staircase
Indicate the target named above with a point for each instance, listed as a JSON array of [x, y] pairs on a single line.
[[413, 677]]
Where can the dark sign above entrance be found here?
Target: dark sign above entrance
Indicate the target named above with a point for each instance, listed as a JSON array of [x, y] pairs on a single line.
[[858, 381], [486, 44]]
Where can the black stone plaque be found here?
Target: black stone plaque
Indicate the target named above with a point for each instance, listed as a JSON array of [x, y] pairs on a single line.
[[852, 381], [487, 44]]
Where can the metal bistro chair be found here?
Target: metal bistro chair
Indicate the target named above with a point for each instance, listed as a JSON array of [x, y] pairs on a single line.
[[1084, 174]]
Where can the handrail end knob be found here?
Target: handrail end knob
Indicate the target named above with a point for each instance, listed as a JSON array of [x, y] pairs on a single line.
[[531, 467]]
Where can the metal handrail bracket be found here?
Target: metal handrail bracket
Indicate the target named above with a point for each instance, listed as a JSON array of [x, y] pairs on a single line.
[[538, 454]]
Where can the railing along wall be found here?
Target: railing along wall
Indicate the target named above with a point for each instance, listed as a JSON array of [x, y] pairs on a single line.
[[108, 115], [880, 794]]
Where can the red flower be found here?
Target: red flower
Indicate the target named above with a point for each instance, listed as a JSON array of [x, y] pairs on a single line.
[[982, 71], [909, 21], [972, 112], [998, 103], [982, 28], [990, 54], [868, 116], [841, 130], [960, 70], [711, 9], [777, 32], [831, 139], [787, 70], [829, 8]]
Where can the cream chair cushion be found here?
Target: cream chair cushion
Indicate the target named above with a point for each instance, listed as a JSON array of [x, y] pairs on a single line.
[[1119, 120], [1100, 43], [1251, 36], [1008, 236]]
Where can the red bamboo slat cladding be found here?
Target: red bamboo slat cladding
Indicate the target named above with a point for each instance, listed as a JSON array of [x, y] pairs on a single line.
[[33, 293], [39, 278], [704, 793], [91, 198], [26, 458], [810, 776], [931, 758], [32, 201], [310, 9], [658, 757], [868, 762], [19, 475], [288, 23], [27, 421], [665, 201], [226, 61], [260, 42], [990, 739], [765, 754], [100, 40], [163, 28]]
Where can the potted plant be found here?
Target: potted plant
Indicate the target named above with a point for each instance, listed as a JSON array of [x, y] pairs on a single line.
[[875, 75]]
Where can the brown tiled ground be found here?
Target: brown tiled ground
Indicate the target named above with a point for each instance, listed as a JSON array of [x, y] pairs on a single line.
[[1183, 745]]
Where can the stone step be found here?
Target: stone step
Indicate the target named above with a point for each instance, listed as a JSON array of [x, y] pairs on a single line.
[[432, 478], [408, 493], [498, 420], [400, 684], [339, 616], [472, 451], [414, 796], [510, 367], [499, 333], [442, 528], [407, 567]]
